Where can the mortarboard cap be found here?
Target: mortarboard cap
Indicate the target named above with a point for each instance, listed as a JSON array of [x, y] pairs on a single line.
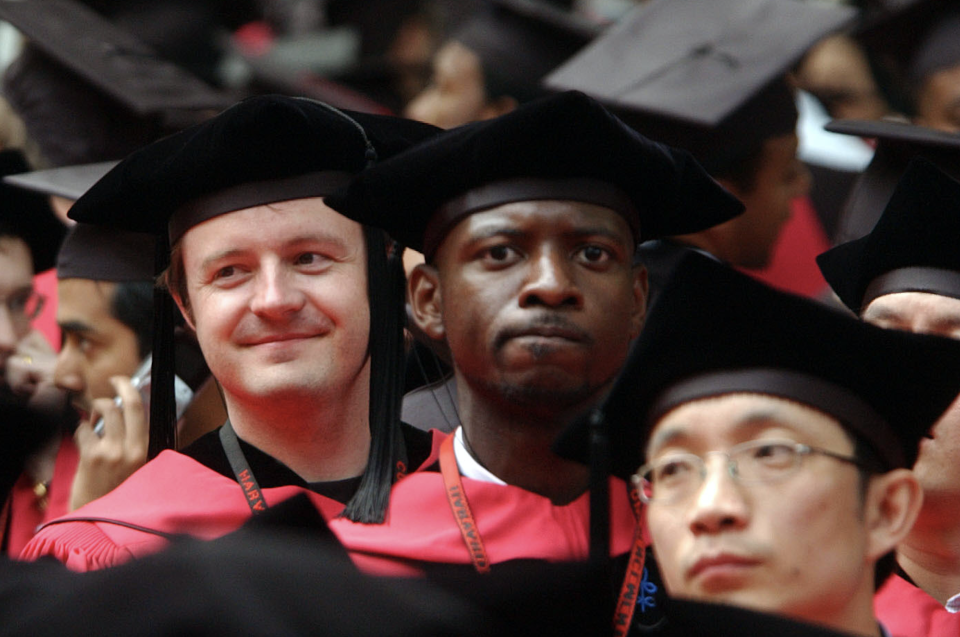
[[565, 146], [705, 75], [91, 252], [89, 91], [68, 182], [897, 144], [101, 253], [263, 150], [519, 41], [109, 58], [715, 331], [28, 215], [913, 247]]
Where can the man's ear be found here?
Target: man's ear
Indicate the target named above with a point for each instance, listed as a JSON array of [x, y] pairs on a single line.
[[184, 310], [641, 290], [891, 506], [426, 303]]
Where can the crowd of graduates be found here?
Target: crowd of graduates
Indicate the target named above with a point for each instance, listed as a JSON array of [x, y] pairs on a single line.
[[489, 317]]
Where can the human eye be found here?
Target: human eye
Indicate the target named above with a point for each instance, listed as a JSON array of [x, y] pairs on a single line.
[[768, 456], [18, 302], [594, 255], [499, 255], [673, 470]]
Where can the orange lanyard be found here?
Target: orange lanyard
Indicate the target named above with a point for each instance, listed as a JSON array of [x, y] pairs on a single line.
[[627, 601], [460, 507], [632, 580]]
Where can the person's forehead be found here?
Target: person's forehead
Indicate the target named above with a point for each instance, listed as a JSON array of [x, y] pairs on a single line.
[[913, 305], [16, 264], [736, 417], [455, 61], [291, 220], [84, 300], [549, 215]]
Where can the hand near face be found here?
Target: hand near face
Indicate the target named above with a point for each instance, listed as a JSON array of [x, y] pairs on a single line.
[[31, 365], [107, 461]]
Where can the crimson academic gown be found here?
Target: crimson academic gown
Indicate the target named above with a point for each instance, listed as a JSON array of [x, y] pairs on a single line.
[[25, 511], [176, 494], [420, 530], [907, 611]]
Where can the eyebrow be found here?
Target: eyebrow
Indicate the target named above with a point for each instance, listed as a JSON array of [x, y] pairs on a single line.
[[752, 422], [75, 327], [327, 239], [483, 234]]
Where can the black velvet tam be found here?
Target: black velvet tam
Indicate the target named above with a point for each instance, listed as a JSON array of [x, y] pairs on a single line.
[[715, 331], [913, 247], [555, 141], [705, 75], [262, 150], [28, 215], [897, 144]]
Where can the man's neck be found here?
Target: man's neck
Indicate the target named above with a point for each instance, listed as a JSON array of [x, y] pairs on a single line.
[[516, 447], [930, 555], [319, 441]]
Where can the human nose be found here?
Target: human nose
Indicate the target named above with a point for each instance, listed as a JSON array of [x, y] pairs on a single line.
[[719, 502], [66, 371], [550, 282], [277, 293]]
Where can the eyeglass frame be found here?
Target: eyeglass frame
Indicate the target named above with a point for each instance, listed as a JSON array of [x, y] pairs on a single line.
[[800, 451], [23, 315]]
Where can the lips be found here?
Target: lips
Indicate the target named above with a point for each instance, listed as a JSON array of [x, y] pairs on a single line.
[[722, 562], [279, 338], [554, 328]]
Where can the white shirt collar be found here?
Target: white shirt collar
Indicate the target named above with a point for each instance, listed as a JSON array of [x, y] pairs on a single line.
[[953, 604], [467, 464]]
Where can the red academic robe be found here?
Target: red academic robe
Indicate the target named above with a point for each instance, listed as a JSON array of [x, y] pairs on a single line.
[[907, 611], [173, 494], [513, 523], [25, 511]]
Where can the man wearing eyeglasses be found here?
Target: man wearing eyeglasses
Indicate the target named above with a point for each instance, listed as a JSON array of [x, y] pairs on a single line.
[[905, 275], [770, 439]]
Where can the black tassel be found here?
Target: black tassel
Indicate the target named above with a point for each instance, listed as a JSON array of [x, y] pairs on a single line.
[[385, 287], [163, 432]]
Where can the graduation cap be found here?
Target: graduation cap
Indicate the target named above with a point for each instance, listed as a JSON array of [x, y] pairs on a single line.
[[565, 147], [897, 144], [109, 57], [715, 331], [705, 75], [28, 215], [89, 91], [263, 150], [913, 247], [68, 182], [519, 41]]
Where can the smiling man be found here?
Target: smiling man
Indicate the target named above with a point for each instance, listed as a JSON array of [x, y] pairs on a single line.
[[297, 311], [770, 439], [905, 275], [531, 279]]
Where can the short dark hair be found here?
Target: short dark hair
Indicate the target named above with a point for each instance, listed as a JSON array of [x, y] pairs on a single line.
[[869, 464], [132, 305]]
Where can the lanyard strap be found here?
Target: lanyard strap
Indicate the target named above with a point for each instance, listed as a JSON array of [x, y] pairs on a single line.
[[241, 469], [627, 601], [460, 507]]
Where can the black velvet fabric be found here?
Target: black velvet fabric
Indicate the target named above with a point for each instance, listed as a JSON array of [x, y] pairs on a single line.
[[919, 228], [711, 318], [259, 139], [106, 254], [568, 135]]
